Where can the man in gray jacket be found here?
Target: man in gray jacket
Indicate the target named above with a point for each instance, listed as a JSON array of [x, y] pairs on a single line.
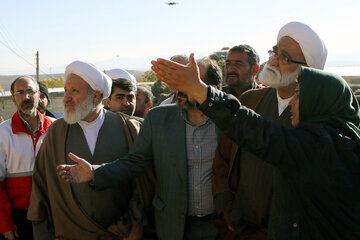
[[180, 142]]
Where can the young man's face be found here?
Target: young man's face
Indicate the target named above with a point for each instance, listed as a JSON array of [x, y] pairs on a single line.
[[122, 101]]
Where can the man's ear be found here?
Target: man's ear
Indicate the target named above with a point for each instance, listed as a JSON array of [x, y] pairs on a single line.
[[108, 102], [97, 97], [13, 99], [255, 69], [149, 105]]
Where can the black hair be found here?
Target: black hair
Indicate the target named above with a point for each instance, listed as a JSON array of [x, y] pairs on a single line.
[[250, 51], [123, 84]]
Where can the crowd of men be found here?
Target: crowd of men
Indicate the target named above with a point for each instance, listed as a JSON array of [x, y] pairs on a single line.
[[269, 158]]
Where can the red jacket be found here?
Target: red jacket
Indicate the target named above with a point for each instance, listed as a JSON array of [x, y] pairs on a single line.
[[18, 148]]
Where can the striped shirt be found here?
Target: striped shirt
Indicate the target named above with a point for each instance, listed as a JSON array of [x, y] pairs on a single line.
[[201, 143]]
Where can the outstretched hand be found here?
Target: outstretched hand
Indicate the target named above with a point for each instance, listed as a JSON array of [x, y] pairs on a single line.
[[184, 78], [77, 173]]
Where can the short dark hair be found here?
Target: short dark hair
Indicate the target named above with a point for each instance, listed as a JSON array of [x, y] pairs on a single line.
[[123, 84], [250, 51], [213, 75], [148, 94], [21, 77]]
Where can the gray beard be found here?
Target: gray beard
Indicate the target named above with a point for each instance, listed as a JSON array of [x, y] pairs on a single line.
[[30, 111], [275, 79], [81, 111]]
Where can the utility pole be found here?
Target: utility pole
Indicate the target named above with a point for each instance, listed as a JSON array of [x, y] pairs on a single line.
[[37, 66]]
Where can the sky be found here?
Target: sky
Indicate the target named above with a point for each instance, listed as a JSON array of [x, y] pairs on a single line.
[[128, 34]]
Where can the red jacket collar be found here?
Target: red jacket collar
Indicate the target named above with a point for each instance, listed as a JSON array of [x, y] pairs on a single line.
[[18, 126]]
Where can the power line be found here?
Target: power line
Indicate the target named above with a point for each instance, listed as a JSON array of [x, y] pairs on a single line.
[[18, 55]]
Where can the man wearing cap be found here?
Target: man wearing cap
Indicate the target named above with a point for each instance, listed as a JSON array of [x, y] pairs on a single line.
[[60, 210], [44, 100], [242, 183]]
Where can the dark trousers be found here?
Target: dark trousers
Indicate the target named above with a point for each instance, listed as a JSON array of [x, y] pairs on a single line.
[[200, 229], [227, 234], [24, 226]]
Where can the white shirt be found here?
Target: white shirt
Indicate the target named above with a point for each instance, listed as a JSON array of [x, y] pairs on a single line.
[[91, 130], [282, 103]]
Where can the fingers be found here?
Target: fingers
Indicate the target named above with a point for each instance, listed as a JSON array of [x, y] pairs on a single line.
[[192, 60], [66, 175], [63, 167], [75, 158]]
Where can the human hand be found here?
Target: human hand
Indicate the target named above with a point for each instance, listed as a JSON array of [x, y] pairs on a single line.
[[77, 173], [11, 235], [184, 78], [135, 233]]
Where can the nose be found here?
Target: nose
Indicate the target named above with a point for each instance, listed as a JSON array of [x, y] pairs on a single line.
[[229, 67], [67, 97], [273, 61]]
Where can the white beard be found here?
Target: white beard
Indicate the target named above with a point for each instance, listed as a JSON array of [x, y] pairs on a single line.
[[81, 111], [275, 79]]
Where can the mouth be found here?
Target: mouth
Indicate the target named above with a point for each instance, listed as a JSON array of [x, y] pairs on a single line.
[[271, 70]]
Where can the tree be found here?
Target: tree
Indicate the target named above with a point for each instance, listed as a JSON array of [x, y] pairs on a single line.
[[148, 76], [54, 82], [160, 91]]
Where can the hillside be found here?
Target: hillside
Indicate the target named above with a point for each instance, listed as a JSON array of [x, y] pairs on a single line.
[[6, 80]]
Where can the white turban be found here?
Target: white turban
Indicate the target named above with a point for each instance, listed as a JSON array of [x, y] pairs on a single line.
[[312, 46], [119, 73], [97, 80]]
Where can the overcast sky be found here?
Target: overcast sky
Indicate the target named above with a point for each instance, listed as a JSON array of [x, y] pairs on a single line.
[[128, 33]]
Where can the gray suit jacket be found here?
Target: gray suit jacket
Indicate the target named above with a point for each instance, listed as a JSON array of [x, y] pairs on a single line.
[[161, 143]]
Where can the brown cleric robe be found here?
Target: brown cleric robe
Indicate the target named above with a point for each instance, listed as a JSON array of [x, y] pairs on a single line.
[[242, 183], [76, 211]]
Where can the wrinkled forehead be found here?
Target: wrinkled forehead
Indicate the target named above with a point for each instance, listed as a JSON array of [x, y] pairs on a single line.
[[76, 81], [289, 46], [25, 83]]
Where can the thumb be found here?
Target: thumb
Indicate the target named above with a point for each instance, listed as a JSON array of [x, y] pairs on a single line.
[[194, 64], [192, 60], [76, 158]]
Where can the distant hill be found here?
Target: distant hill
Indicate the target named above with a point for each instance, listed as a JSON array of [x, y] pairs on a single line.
[[6, 80]]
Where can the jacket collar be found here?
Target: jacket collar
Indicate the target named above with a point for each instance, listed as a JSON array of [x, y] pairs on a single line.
[[18, 126]]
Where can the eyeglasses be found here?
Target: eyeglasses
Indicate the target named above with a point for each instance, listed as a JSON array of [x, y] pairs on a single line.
[[28, 91], [283, 59]]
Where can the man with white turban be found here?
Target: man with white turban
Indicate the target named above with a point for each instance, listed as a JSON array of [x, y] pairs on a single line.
[[242, 183], [60, 210]]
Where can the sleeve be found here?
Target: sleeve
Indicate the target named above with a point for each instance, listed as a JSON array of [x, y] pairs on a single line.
[[265, 139], [43, 231], [131, 165], [221, 166], [136, 208], [6, 222], [39, 209]]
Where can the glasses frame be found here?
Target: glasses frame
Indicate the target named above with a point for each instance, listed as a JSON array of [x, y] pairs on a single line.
[[273, 54], [29, 91]]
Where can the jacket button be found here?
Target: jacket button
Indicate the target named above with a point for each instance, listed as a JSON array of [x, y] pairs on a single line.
[[210, 104], [295, 225]]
